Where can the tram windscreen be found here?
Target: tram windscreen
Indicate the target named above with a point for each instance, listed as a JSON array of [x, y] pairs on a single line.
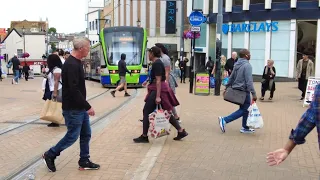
[[129, 43]]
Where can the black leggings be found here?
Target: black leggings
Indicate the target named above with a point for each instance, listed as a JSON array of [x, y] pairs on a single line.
[[26, 75], [148, 108]]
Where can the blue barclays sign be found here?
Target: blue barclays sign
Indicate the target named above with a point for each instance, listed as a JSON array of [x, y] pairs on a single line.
[[251, 27], [171, 17]]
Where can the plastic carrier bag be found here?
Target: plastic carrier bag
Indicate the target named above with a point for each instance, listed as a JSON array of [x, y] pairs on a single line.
[[254, 119], [159, 122]]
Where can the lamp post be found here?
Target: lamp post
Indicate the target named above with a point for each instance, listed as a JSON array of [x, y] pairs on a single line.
[[138, 23], [218, 48], [24, 40]]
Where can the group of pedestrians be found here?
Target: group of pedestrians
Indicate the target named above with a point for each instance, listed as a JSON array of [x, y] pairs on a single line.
[[18, 69]]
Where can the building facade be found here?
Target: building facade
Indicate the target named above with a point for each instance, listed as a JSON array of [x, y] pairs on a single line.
[[280, 30], [18, 42], [93, 18], [161, 19]]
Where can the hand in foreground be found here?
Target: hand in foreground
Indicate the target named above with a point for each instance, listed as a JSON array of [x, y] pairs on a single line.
[[158, 100], [91, 112], [276, 157]]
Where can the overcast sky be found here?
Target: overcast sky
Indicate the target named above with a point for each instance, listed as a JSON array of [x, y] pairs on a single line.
[[67, 16]]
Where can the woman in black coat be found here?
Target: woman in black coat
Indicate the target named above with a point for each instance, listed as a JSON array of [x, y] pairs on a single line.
[[268, 80]]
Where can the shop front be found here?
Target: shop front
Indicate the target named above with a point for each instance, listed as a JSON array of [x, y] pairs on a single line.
[[277, 30], [35, 65], [280, 40]]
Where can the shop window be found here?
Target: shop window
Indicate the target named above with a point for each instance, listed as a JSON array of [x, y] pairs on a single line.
[[280, 48], [90, 26], [237, 2], [19, 53], [257, 1], [257, 42]]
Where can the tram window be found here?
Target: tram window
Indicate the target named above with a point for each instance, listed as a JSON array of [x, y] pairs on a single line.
[[129, 43]]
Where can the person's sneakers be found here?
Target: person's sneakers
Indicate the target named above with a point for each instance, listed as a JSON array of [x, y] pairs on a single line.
[[127, 94], [181, 135], [222, 124], [247, 131], [301, 99], [88, 165], [53, 125], [113, 93], [12, 82], [141, 120], [141, 139], [49, 162]]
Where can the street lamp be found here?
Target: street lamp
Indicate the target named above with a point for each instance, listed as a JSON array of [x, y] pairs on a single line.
[[139, 23], [24, 39]]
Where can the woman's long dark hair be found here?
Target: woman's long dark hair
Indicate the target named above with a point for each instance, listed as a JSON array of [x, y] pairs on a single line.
[[54, 61]]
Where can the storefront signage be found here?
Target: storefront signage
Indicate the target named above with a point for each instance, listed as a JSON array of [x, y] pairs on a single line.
[[251, 27], [202, 84], [312, 83], [171, 17]]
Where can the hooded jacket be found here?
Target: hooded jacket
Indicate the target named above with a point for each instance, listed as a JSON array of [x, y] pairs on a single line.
[[241, 77]]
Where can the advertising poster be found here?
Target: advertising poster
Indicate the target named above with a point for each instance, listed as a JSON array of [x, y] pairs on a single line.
[[202, 84], [312, 83]]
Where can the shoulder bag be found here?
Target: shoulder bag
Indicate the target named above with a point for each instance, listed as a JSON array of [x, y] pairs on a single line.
[[235, 96]]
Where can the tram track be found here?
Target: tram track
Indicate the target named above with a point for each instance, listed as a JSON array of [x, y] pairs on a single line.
[[29, 167], [33, 121]]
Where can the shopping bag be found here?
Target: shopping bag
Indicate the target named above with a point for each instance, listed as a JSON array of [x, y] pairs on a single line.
[[159, 122], [254, 119], [212, 82], [52, 111], [225, 81]]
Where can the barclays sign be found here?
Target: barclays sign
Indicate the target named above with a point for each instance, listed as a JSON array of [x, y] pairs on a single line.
[[251, 27]]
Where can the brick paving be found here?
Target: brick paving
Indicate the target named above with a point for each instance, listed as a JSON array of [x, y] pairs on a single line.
[[206, 153], [19, 146], [24, 101]]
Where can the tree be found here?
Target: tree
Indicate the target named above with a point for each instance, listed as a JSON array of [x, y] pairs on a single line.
[[52, 30], [53, 47]]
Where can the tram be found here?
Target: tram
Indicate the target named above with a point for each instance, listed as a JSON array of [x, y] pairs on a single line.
[[104, 57]]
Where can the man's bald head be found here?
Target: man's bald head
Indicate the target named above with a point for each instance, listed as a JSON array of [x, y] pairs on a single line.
[[244, 53], [234, 55]]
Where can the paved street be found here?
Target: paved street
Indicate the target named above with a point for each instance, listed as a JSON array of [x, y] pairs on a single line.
[[205, 154]]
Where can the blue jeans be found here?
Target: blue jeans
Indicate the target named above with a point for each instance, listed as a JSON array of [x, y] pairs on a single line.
[[78, 124], [241, 112], [177, 72], [16, 74]]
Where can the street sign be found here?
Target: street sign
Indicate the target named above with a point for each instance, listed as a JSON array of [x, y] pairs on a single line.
[[195, 29], [196, 18]]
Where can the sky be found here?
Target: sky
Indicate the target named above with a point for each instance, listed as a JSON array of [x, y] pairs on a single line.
[[67, 16]]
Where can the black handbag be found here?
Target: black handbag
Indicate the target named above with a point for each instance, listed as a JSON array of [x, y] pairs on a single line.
[[235, 96]]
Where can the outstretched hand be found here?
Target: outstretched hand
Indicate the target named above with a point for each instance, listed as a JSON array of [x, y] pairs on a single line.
[[276, 157]]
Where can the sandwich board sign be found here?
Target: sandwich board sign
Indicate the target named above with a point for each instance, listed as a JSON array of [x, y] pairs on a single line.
[[312, 83]]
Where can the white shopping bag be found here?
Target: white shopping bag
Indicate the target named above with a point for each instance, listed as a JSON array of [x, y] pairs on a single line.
[[254, 119], [159, 122]]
